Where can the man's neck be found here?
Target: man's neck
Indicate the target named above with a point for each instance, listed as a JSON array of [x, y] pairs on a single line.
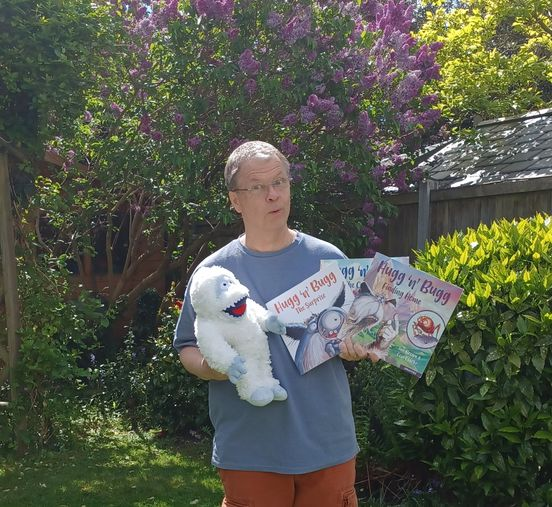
[[267, 242]]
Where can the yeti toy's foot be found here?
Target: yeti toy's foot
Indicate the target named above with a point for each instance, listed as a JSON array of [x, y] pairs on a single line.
[[280, 394], [261, 396]]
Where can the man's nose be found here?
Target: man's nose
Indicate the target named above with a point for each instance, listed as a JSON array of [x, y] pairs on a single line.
[[272, 193]]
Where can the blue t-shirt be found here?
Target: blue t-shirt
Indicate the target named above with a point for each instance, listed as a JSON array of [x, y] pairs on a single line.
[[314, 427]]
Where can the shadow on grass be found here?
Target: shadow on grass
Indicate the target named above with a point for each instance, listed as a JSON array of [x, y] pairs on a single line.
[[115, 470]]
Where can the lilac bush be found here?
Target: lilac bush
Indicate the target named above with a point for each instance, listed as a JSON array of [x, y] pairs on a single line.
[[338, 86]]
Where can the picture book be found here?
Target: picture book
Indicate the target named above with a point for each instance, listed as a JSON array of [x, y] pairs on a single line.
[[398, 312], [354, 270], [313, 312]]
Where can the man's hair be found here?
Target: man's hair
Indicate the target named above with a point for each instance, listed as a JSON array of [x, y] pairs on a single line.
[[247, 151]]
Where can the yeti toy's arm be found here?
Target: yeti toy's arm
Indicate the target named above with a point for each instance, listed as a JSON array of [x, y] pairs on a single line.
[[217, 352], [267, 320]]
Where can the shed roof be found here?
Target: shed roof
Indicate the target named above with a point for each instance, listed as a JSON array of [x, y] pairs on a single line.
[[502, 150]]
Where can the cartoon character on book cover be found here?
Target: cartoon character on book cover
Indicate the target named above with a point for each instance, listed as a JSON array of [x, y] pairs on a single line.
[[375, 315], [400, 313], [313, 312], [318, 337]]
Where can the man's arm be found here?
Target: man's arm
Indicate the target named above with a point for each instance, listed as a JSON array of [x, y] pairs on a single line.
[[194, 362]]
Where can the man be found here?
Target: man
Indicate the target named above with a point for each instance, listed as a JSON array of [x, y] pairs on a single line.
[[299, 452]]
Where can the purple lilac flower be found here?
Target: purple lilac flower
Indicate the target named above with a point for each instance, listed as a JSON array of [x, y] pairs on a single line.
[[87, 116], [367, 231], [145, 28], [141, 12], [429, 117], [429, 100], [433, 72], [399, 158], [407, 120], [248, 64], [289, 120], [287, 82], [366, 127], [116, 109], [349, 176], [220, 10], [233, 33], [250, 86], [312, 101], [274, 19], [125, 88], [297, 27], [407, 89], [288, 148], [334, 117], [133, 73], [357, 32], [169, 11], [178, 118], [156, 135], [296, 175], [368, 207], [104, 92], [145, 124], [194, 142], [369, 253], [394, 15], [325, 105], [307, 115], [381, 221], [375, 241], [368, 80], [400, 181], [235, 142], [338, 76], [339, 164], [417, 174], [378, 171], [370, 220]]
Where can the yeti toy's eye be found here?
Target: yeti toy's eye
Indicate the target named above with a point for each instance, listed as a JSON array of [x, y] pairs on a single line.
[[224, 284]]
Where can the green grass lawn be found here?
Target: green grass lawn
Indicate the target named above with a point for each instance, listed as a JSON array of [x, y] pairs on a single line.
[[115, 469]]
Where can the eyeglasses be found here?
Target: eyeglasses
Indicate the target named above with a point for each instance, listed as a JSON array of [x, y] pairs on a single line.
[[279, 184]]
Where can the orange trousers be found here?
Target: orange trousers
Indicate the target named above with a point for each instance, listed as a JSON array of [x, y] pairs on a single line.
[[330, 487]]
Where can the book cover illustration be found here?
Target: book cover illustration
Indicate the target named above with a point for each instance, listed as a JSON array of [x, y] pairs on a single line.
[[354, 270], [400, 313], [313, 312]]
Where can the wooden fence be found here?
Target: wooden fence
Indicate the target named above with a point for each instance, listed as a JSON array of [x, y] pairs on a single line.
[[444, 211]]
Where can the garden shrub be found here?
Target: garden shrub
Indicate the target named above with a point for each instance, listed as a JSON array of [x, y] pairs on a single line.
[[148, 386], [57, 330], [373, 391], [482, 414]]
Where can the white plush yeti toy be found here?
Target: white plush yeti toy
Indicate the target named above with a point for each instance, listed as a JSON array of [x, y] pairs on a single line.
[[230, 330]]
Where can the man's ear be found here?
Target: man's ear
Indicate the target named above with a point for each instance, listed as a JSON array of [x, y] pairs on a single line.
[[234, 201]]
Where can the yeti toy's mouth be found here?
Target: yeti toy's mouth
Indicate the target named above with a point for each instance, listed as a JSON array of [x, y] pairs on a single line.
[[238, 309]]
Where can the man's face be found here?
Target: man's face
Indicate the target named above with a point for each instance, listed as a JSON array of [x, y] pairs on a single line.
[[266, 208]]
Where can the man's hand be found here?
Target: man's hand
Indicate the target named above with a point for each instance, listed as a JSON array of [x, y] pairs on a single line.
[[352, 351]]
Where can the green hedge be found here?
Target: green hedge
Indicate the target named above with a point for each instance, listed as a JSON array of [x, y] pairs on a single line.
[[482, 414]]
